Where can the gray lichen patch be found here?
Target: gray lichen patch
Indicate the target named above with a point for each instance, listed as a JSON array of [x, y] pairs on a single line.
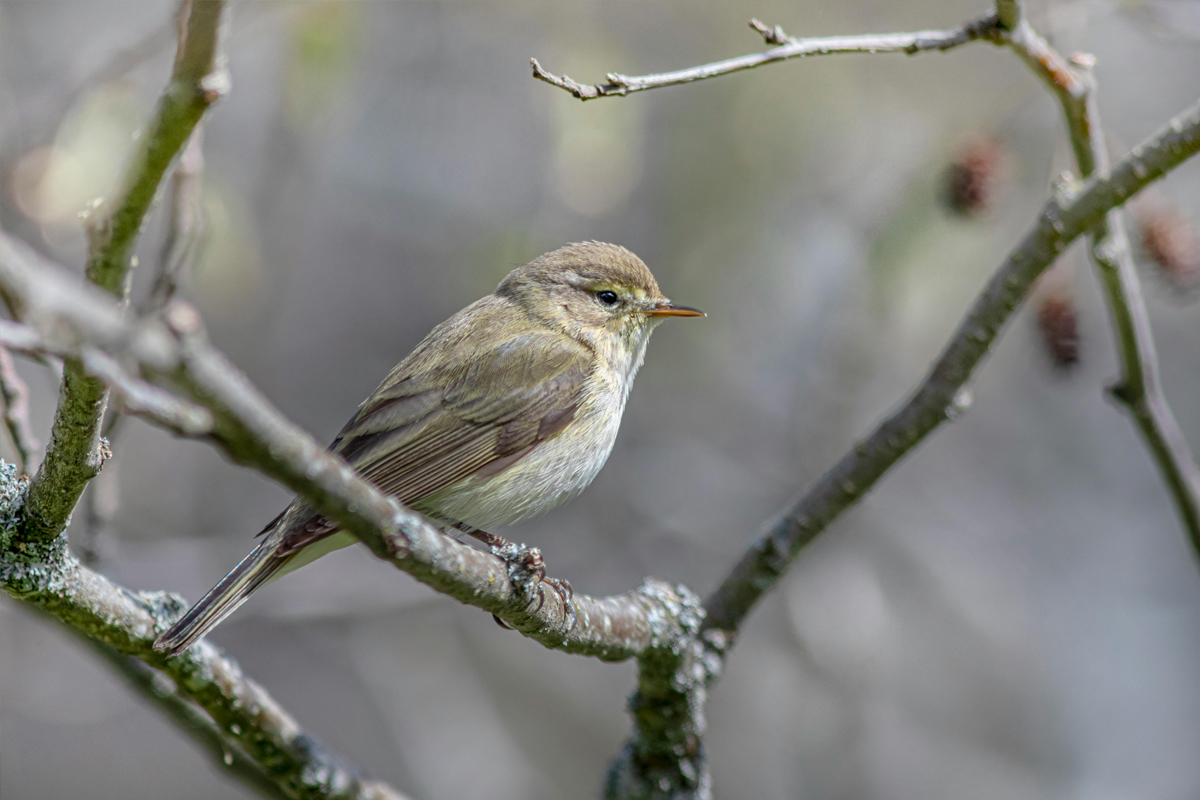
[[12, 500], [25, 568]]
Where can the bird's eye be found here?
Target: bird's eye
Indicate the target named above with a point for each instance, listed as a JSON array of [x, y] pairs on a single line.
[[607, 297]]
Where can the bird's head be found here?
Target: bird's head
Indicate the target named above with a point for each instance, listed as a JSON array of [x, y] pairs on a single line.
[[600, 294]]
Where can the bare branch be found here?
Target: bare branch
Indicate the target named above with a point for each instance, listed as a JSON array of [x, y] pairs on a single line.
[[986, 27], [942, 396], [650, 622], [15, 395], [1138, 389], [137, 397], [76, 450], [199, 79], [71, 317], [128, 622]]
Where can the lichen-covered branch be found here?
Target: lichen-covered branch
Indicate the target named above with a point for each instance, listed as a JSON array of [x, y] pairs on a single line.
[[128, 622], [1071, 213], [645, 623], [224, 752], [1138, 389], [665, 756], [788, 47], [76, 450], [14, 394]]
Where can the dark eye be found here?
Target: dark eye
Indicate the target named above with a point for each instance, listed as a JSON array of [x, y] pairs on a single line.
[[607, 297]]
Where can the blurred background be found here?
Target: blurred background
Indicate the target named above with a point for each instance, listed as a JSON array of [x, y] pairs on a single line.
[[1013, 613]]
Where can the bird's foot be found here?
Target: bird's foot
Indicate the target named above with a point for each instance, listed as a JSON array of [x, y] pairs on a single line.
[[527, 571]]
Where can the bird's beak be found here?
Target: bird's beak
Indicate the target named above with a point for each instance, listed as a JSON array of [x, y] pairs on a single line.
[[672, 310]]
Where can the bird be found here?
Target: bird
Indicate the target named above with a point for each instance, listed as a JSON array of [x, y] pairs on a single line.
[[504, 411]]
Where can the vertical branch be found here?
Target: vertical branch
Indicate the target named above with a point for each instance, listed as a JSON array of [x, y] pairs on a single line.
[[665, 755], [76, 450], [15, 395], [1138, 388]]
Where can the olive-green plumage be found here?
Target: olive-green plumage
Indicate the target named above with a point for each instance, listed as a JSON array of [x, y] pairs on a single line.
[[505, 410]]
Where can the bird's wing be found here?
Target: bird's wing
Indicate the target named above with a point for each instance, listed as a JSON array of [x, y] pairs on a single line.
[[423, 431]]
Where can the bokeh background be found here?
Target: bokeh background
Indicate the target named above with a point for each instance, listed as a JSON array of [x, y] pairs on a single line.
[[1012, 613]]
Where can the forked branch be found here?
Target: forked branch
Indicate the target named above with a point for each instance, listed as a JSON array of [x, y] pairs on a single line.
[[1071, 213], [1138, 389], [76, 451], [652, 622]]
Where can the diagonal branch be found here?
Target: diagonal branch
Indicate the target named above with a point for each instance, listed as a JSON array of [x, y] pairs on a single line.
[[71, 318], [657, 623], [789, 47], [225, 753], [136, 396], [237, 708], [1138, 389], [76, 450], [942, 396]]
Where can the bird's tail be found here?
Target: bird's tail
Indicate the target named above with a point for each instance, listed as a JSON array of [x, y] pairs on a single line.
[[254, 570]]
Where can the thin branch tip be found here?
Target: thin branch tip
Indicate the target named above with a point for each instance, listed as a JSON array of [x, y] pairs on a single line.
[[770, 35], [783, 48], [564, 82]]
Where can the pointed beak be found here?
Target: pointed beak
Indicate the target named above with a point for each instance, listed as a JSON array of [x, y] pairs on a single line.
[[672, 310]]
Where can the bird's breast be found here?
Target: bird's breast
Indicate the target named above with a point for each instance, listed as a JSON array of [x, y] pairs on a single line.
[[554, 472]]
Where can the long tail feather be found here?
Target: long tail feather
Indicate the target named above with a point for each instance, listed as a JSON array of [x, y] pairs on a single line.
[[254, 570]]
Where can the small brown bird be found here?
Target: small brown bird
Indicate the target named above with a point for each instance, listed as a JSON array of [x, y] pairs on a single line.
[[504, 411]]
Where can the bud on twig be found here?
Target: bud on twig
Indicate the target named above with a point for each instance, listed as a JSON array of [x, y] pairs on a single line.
[[975, 178], [1170, 240], [1058, 322]]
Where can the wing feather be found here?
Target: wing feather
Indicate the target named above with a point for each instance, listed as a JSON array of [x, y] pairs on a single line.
[[426, 429]]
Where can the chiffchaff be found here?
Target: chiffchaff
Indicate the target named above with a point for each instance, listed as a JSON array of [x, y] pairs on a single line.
[[505, 410]]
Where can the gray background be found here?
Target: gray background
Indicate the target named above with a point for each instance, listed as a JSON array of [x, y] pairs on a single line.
[[1013, 613]]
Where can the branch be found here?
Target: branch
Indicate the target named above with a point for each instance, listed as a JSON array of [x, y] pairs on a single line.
[[76, 451], [1138, 389], [137, 397], [1072, 212], [15, 395], [652, 622], [127, 622], [224, 752], [72, 318], [986, 27]]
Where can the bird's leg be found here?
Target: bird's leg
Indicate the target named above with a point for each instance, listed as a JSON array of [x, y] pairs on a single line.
[[526, 566], [490, 539]]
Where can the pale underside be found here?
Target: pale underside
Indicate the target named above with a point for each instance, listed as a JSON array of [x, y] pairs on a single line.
[[534, 477]]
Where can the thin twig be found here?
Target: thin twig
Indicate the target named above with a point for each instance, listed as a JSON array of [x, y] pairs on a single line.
[[76, 451], [15, 396], [1138, 389], [186, 227], [941, 396], [139, 398], [618, 85]]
